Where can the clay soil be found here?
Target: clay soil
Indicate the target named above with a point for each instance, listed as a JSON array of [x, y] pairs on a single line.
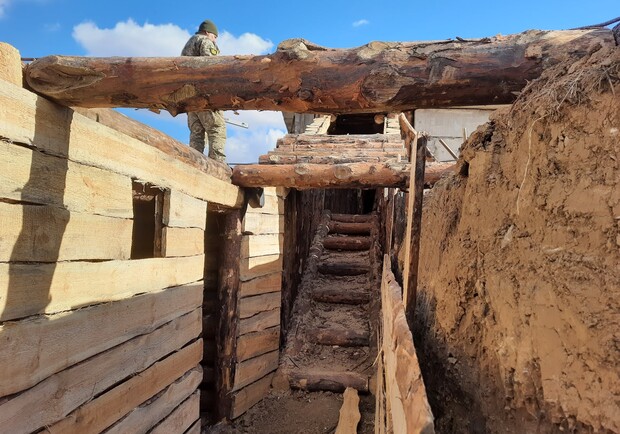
[[518, 307]]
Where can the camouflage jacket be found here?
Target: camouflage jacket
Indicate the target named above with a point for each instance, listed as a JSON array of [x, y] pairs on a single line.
[[200, 45]]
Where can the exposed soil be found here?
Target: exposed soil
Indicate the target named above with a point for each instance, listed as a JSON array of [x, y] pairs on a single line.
[[518, 307]]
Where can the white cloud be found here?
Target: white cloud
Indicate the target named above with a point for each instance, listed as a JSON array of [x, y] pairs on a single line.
[[3, 5], [131, 39], [128, 38], [248, 145], [362, 22]]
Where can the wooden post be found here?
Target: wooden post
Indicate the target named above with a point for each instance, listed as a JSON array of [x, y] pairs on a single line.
[[228, 294], [417, 191]]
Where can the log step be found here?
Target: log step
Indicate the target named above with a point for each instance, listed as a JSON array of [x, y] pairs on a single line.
[[329, 295], [353, 218], [344, 268], [339, 336], [347, 243], [346, 228], [333, 381]]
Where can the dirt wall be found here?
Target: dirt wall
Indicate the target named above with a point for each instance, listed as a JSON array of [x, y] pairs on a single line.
[[518, 307]]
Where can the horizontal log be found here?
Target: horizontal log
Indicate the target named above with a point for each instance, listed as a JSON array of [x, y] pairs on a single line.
[[255, 344], [250, 306], [331, 295], [343, 141], [182, 418], [250, 395], [340, 336], [353, 218], [347, 243], [251, 268], [302, 77], [261, 245], [261, 285], [178, 242], [155, 138], [254, 369], [333, 381], [183, 211], [358, 228], [362, 157], [258, 322], [344, 268], [352, 175]]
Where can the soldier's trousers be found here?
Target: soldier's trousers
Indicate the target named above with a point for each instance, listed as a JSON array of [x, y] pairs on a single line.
[[211, 124]]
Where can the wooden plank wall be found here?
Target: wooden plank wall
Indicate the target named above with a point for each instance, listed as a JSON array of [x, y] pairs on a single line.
[[401, 402], [91, 339], [259, 301]]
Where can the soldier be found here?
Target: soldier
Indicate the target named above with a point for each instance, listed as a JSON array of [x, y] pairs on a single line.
[[210, 122]]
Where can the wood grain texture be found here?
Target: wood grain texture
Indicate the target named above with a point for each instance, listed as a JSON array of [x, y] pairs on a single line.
[[30, 289], [34, 349], [183, 211]]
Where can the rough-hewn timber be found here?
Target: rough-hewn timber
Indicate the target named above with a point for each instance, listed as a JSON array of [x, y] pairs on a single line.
[[302, 77]]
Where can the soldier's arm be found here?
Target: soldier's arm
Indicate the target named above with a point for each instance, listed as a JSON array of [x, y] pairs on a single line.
[[207, 48]]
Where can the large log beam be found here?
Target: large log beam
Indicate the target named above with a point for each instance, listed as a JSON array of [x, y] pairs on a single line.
[[353, 175], [301, 77]]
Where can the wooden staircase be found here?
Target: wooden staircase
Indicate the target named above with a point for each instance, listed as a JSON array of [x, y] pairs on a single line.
[[331, 344]]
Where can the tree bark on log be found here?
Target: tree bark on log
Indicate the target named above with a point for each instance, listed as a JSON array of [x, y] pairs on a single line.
[[325, 380], [354, 218], [351, 228], [350, 175], [347, 243], [339, 336], [343, 268], [327, 295], [332, 158], [302, 77]]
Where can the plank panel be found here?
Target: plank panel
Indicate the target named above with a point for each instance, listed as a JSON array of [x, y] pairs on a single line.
[[247, 397], [58, 395], [183, 211], [261, 285], [257, 224], [273, 205], [251, 306], [30, 289], [49, 234], [34, 349], [183, 242], [143, 418], [254, 369], [59, 130], [195, 428], [106, 409], [30, 176], [182, 418], [251, 268], [259, 322], [261, 245], [255, 344]]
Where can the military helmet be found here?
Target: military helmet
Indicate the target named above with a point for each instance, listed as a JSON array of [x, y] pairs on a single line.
[[208, 26]]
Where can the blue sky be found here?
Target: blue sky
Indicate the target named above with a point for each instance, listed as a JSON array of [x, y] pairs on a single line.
[[156, 28]]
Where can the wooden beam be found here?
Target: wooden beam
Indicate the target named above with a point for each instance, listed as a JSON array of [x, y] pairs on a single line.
[[303, 77], [228, 322], [351, 175], [155, 138]]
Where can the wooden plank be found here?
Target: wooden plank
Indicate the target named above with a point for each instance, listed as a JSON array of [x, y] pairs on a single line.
[[322, 379], [31, 233], [34, 177], [261, 285], [349, 413], [259, 322], [143, 418], [183, 211], [183, 242], [273, 205], [182, 418], [257, 343], [257, 224], [58, 130], [250, 306], [195, 428], [55, 397], [106, 409], [30, 289], [261, 245], [34, 349], [260, 266], [250, 395], [411, 143], [254, 369]]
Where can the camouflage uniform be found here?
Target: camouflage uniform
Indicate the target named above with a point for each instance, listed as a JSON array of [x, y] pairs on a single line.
[[210, 122]]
